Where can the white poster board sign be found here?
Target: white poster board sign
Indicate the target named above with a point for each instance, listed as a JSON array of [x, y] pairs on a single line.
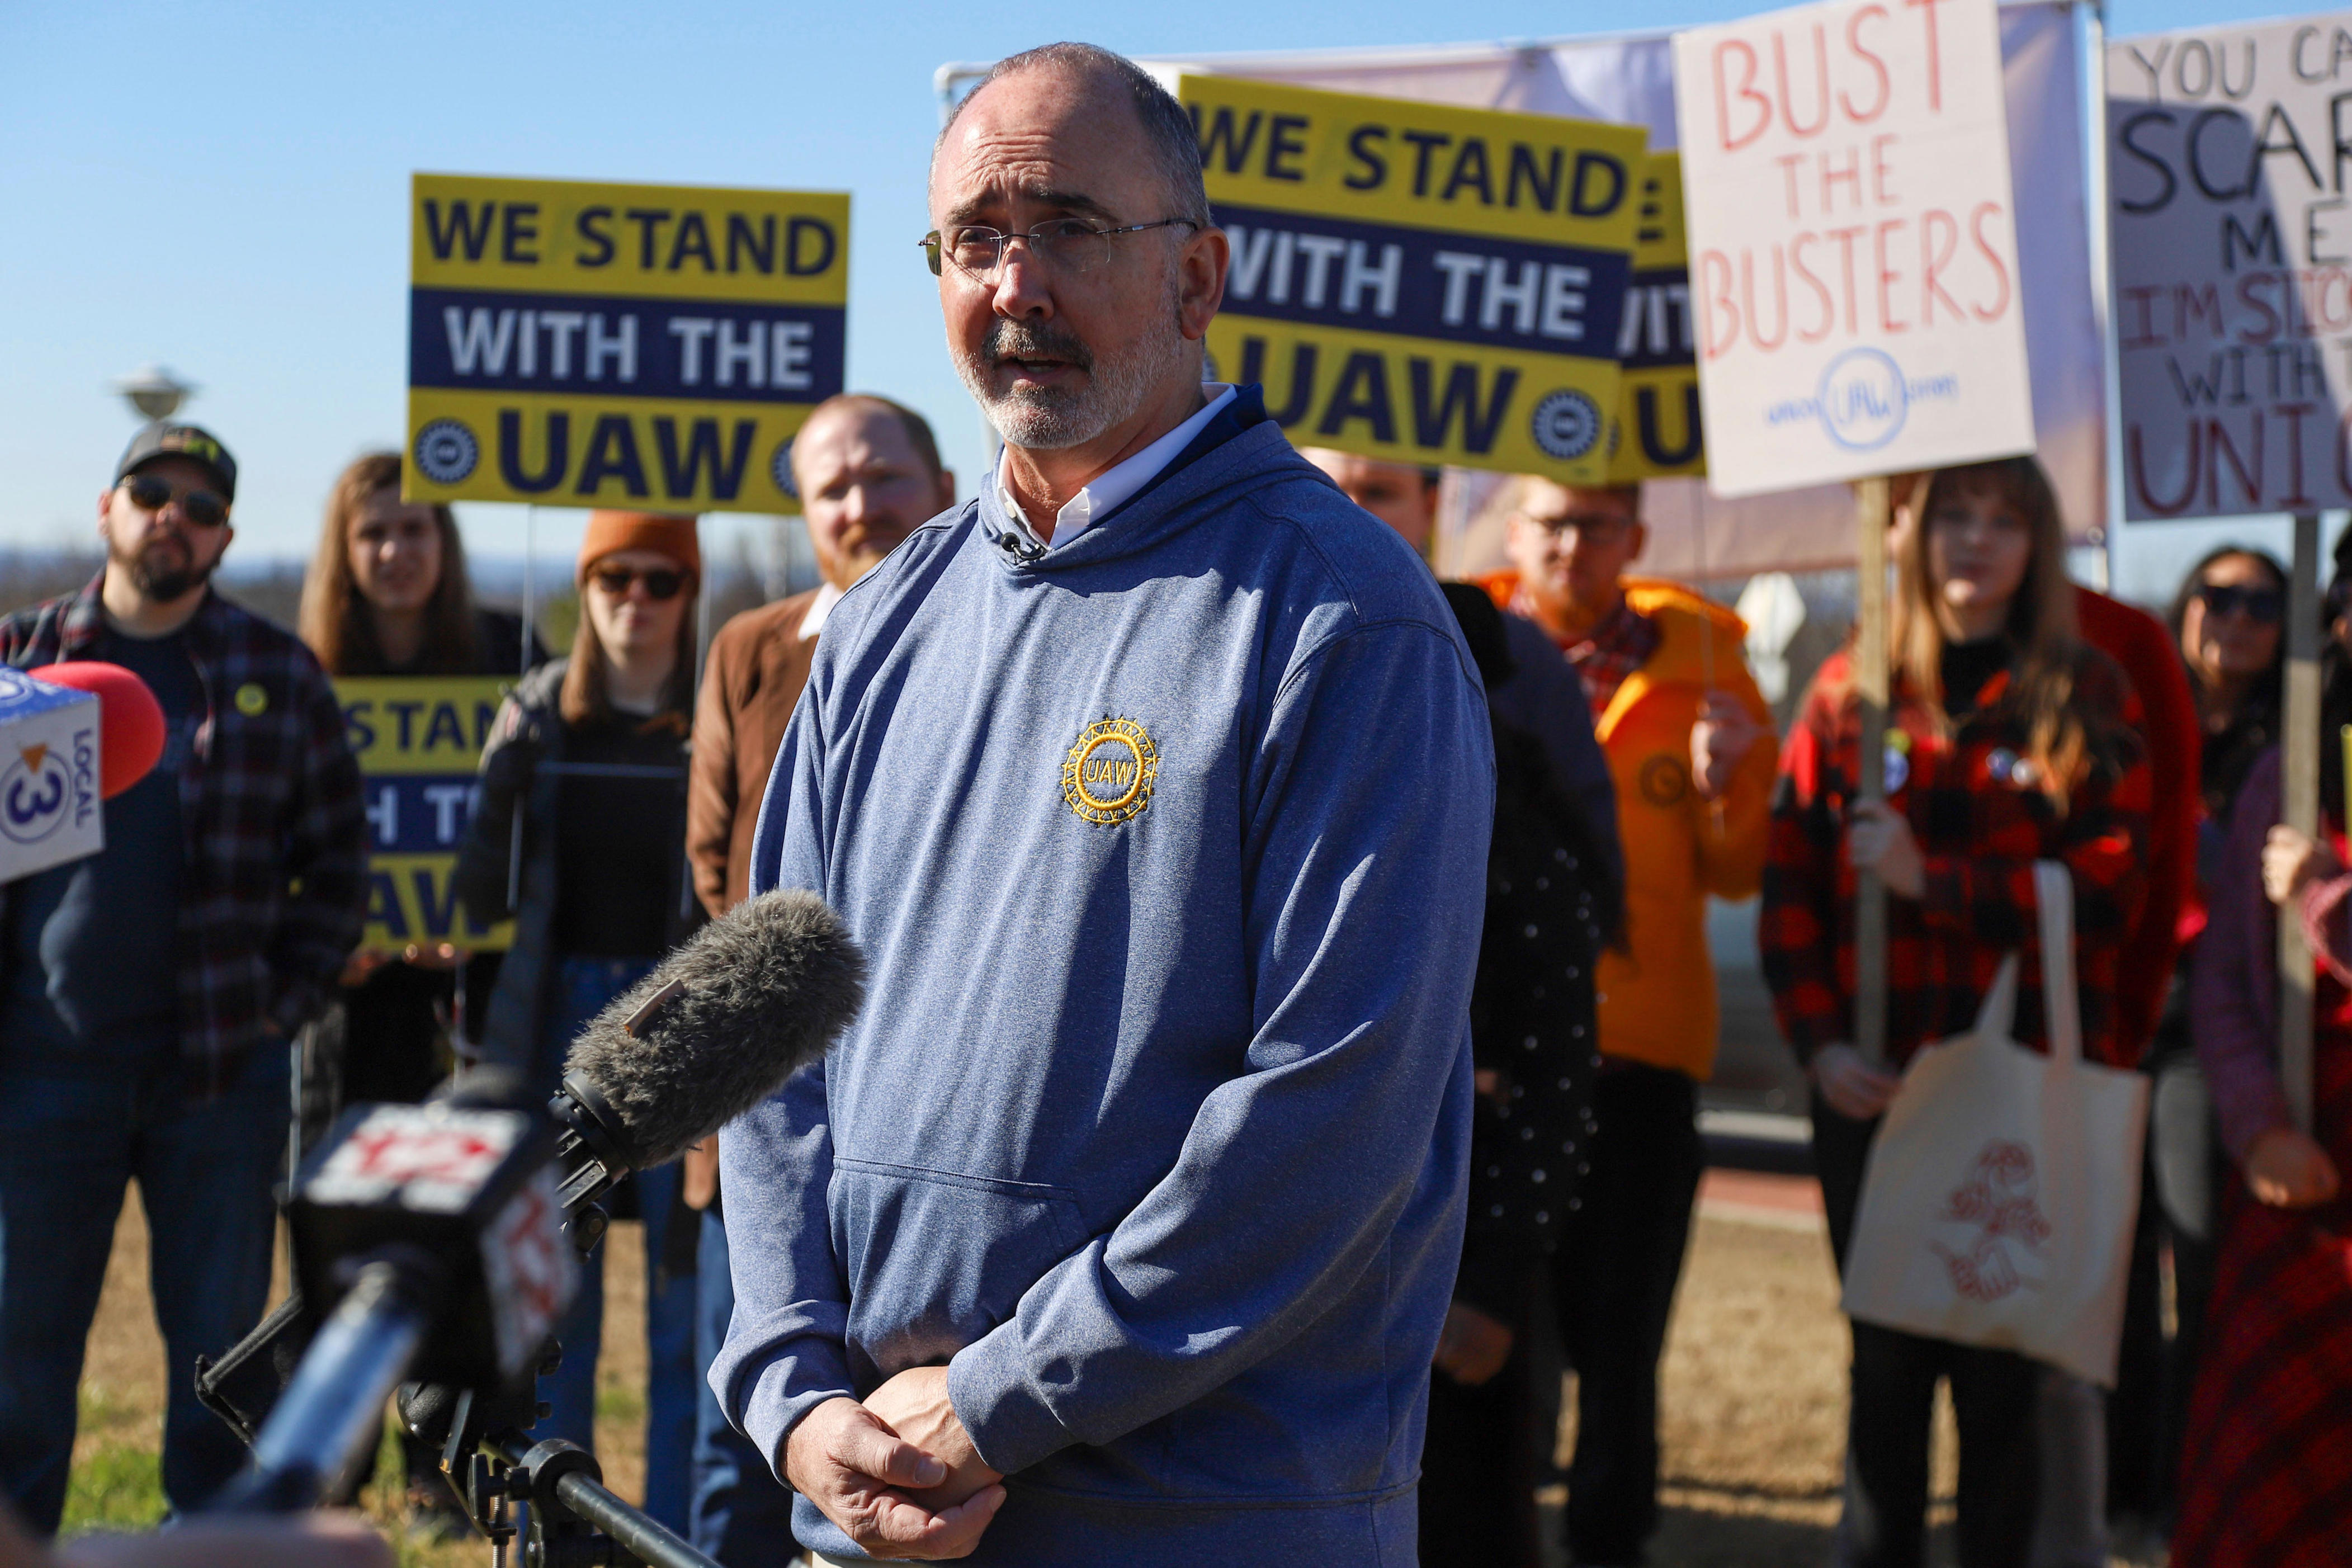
[[2231, 237], [1853, 242]]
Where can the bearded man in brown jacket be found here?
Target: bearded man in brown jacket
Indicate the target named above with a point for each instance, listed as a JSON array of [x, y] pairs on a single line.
[[868, 473]]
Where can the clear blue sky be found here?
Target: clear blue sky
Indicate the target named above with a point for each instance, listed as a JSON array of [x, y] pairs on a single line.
[[223, 187]]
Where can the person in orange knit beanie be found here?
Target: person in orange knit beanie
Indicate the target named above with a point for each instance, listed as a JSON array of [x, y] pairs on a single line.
[[1690, 748], [587, 767]]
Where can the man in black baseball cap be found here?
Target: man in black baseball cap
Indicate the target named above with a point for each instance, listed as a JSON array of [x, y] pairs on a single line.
[[149, 994], [165, 524], [192, 442]]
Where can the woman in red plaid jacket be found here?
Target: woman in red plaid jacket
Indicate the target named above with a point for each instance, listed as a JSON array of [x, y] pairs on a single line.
[[2010, 742]]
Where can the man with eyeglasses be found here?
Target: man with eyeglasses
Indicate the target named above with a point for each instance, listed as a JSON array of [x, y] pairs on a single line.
[[151, 991], [1689, 743], [1157, 784]]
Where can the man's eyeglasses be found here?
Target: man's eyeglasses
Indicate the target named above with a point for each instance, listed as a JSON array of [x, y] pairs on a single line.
[[1593, 527], [660, 582], [152, 492], [2263, 604], [1070, 244]]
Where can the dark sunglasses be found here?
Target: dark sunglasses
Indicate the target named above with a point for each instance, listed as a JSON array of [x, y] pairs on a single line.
[[660, 582], [149, 492], [2263, 604]]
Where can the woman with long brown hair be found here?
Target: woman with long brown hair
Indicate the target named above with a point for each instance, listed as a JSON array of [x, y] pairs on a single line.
[[387, 593], [2008, 742], [587, 764]]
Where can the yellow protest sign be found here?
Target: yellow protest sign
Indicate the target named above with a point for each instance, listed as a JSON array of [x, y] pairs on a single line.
[[1658, 432], [584, 344], [1421, 283], [419, 739]]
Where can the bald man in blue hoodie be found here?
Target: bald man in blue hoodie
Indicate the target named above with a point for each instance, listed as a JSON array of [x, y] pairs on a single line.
[[1157, 784]]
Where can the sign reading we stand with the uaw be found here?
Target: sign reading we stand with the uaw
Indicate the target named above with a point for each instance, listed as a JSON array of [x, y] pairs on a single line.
[[2231, 239], [1659, 433], [419, 739], [1853, 252], [578, 344], [1419, 283]]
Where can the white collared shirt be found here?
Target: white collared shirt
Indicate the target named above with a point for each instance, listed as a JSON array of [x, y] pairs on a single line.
[[1110, 490], [813, 619]]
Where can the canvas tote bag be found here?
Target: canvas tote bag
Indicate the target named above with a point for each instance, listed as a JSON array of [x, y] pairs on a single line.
[[2003, 1188]]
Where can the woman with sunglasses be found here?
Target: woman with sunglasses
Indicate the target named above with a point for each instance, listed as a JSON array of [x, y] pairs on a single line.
[[587, 762], [2229, 617], [2266, 1471], [2009, 742], [2227, 622]]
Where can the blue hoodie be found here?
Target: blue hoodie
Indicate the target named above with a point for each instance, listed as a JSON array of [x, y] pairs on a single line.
[[1168, 851]]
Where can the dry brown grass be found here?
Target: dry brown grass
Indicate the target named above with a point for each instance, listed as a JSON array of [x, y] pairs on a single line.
[[1752, 1420], [123, 1387]]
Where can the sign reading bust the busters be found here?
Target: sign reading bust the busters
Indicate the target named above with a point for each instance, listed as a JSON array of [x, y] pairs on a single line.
[[1419, 283], [651, 346], [1852, 244]]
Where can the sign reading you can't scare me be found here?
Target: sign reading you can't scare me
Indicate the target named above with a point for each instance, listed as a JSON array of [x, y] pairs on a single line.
[[2231, 232], [1420, 284], [584, 344]]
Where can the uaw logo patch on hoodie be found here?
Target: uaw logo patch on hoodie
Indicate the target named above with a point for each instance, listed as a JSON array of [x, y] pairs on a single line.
[[1107, 776]]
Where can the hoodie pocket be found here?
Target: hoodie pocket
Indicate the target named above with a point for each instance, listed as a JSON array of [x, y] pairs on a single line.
[[935, 1260]]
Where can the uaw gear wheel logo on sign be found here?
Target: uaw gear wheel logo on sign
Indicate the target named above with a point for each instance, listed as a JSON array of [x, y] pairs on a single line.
[[1107, 776], [1566, 424], [446, 451]]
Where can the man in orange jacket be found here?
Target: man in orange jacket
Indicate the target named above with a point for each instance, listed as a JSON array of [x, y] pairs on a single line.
[[1689, 743]]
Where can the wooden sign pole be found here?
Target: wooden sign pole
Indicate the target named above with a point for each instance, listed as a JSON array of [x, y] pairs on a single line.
[[1871, 689], [2300, 769]]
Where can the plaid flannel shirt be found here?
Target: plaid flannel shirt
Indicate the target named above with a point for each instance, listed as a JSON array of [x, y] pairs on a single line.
[[1979, 827], [1619, 643], [274, 885]]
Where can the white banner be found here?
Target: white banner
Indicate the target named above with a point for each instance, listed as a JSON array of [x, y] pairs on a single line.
[[1629, 78], [2232, 242], [1853, 259]]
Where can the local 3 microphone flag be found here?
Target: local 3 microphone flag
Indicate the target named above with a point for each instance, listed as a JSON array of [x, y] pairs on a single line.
[[50, 772], [1853, 243], [132, 731]]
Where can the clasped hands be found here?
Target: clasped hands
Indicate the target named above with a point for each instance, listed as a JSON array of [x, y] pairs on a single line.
[[897, 1473]]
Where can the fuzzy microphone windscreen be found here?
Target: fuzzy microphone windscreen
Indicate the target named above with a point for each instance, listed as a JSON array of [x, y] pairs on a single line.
[[719, 1024]]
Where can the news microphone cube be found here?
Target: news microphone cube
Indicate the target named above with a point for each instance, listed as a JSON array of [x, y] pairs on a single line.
[[49, 775], [471, 1188]]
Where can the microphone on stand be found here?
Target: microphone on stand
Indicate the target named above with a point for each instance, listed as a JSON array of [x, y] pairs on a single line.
[[435, 1231]]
